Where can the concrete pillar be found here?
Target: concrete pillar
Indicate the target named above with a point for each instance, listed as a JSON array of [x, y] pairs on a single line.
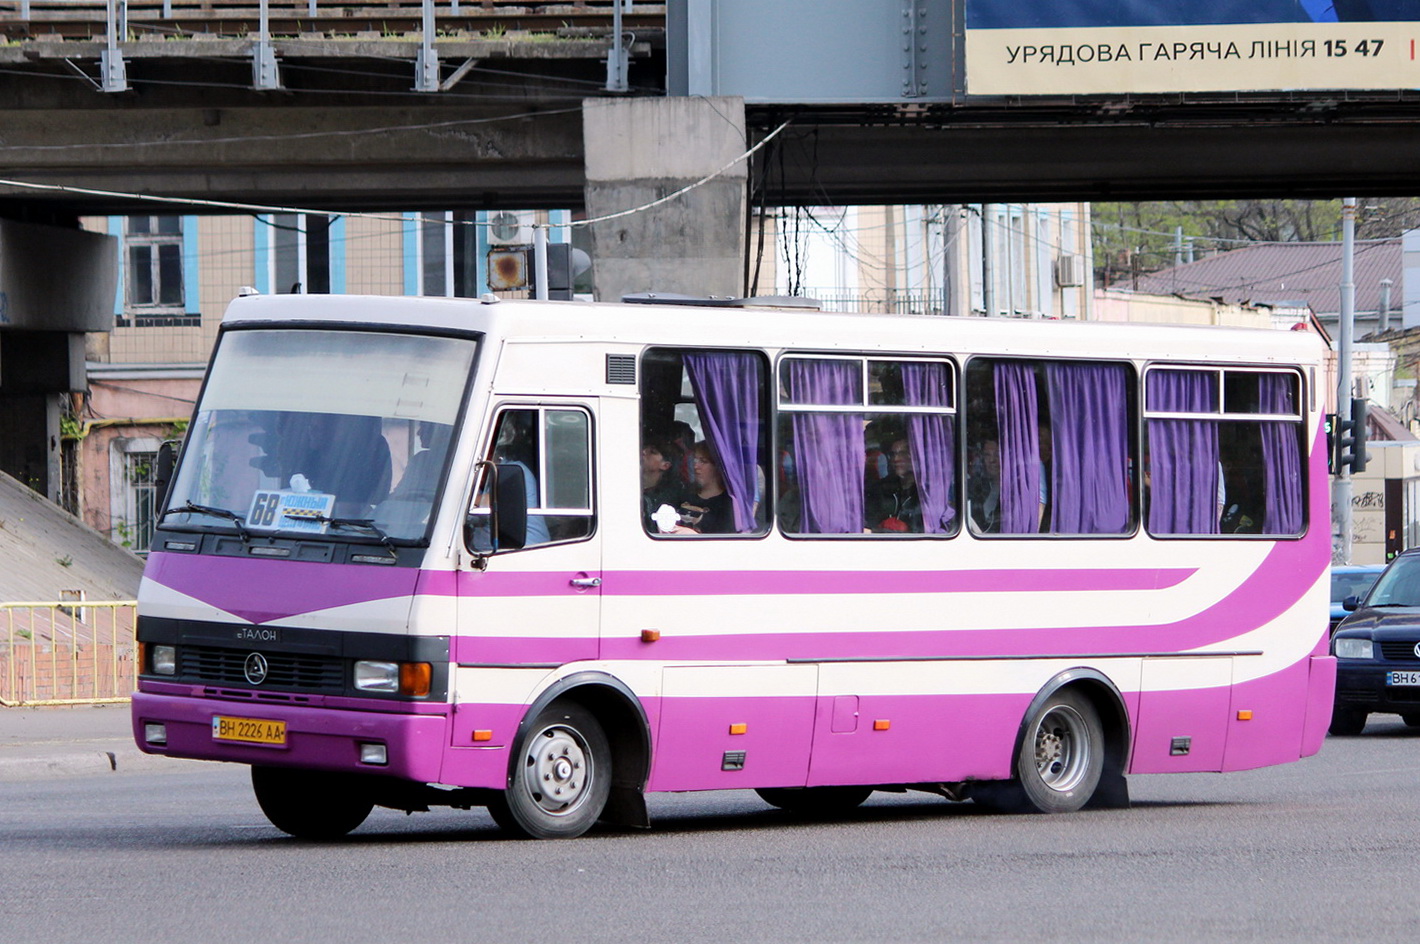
[[641, 149], [55, 285]]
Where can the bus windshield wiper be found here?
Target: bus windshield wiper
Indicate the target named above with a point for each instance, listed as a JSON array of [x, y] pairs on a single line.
[[366, 524], [194, 508]]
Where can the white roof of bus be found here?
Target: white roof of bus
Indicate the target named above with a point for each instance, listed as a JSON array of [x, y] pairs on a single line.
[[645, 325]]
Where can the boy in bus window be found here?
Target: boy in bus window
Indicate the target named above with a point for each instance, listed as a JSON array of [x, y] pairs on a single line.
[[660, 483]]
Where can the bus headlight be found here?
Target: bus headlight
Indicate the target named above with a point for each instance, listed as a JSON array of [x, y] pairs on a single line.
[[371, 676], [1349, 648], [165, 660], [406, 678]]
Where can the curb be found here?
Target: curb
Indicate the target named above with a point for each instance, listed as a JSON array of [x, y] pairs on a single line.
[[49, 762]]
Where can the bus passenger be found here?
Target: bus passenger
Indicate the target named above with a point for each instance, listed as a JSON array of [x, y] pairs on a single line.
[[709, 510], [893, 503], [660, 485], [986, 488]]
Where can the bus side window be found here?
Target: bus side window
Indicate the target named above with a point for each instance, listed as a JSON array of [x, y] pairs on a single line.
[[868, 446], [1049, 447], [1235, 469], [553, 448], [704, 442]]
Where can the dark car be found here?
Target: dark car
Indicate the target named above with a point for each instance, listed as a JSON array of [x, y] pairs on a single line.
[[1377, 649], [1350, 580]]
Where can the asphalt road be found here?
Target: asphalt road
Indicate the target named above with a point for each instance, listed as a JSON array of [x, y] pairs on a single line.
[[1316, 851]]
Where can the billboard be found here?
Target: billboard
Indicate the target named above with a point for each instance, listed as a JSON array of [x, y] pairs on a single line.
[[1101, 47]]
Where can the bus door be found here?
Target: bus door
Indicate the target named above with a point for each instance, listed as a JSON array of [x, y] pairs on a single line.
[[539, 605]]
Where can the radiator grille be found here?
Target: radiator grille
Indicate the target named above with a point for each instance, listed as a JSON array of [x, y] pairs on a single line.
[[1399, 651], [284, 670]]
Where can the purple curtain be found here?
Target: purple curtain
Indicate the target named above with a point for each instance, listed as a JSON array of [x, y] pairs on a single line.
[[1089, 466], [1281, 457], [1182, 465], [727, 387], [828, 447], [932, 441], [1019, 443]]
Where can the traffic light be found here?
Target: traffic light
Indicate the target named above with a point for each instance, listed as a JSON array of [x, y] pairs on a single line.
[[1350, 438]]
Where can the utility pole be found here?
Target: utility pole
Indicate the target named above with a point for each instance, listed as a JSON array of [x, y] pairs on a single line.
[[988, 260], [1341, 494]]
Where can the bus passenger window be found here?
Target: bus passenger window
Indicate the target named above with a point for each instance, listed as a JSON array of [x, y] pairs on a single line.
[[1049, 449], [868, 446], [1237, 468], [704, 443]]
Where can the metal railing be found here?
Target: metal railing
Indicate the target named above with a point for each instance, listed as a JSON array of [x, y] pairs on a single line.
[[68, 652]]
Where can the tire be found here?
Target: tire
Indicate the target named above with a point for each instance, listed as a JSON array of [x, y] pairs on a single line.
[[559, 776], [815, 801], [1412, 720], [311, 804], [1348, 722], [1060, 761]]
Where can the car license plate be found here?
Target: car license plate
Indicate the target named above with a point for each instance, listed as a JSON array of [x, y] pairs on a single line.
[[249, 730], [1402, 678]]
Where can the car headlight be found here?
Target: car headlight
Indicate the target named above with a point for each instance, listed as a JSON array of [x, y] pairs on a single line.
[[1349, 648]]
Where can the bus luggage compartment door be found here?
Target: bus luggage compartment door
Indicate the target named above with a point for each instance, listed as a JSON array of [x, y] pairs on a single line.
[[734, 726]]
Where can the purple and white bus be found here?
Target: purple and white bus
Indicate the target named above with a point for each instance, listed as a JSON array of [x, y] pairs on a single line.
[[546, 557]]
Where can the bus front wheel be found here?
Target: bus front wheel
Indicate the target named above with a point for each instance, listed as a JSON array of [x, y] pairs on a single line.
[[310, 804], [1060, 760], [560, 777]]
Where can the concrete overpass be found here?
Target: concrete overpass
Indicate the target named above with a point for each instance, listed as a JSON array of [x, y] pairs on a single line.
[[492, 104]]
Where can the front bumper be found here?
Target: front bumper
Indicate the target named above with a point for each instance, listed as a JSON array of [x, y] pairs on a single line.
[[316, 738], [1361, 685]]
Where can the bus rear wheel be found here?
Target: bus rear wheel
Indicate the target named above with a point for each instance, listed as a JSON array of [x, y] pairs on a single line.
[[815, 801], [560, 776], [311, 804], [1060, 761]]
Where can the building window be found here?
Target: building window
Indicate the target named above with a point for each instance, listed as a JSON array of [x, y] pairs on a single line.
[[300, 253], [133, 494], [446, 250], [154, 293]]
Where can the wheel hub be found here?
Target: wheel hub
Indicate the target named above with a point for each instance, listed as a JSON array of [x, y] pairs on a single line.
[[1059, 755], [559, 766]]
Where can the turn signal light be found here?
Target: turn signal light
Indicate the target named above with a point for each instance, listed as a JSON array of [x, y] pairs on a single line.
[[415, 678], [882, 724], [1245, 714], [739, 728]]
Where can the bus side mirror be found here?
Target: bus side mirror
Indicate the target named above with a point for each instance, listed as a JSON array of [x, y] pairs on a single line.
[[510, 508], [504, 526], [163, 475]]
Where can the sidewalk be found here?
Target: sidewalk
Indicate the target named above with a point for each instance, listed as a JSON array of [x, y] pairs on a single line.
[[42, 743]]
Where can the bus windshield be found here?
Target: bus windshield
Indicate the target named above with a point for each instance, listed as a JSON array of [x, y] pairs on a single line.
[[322, 432]]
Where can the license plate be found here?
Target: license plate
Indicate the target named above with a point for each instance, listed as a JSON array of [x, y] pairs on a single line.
[[249, 730], [1402, 678]]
